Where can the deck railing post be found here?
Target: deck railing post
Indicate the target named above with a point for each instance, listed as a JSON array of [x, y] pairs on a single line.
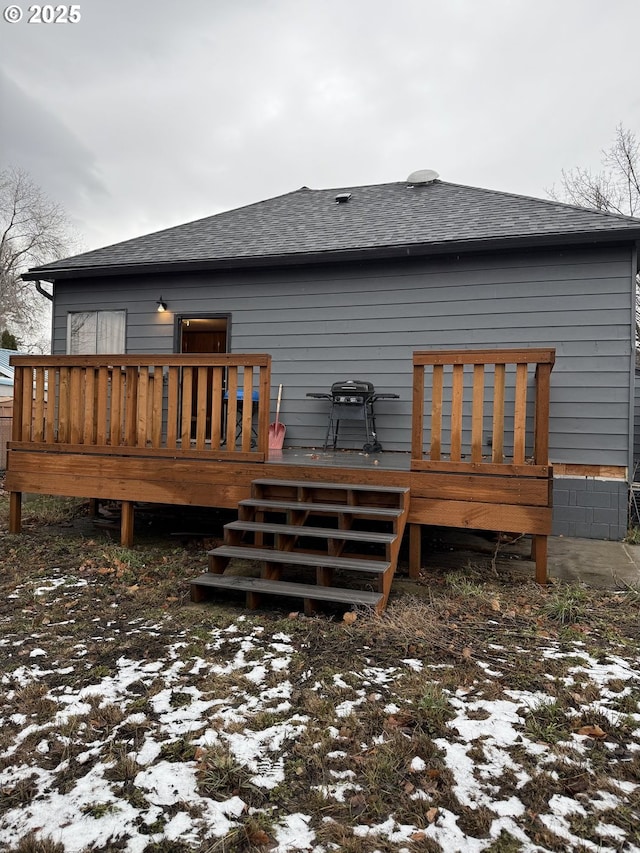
[[18, 394], [264, 408], [541, 426], [417, 422]]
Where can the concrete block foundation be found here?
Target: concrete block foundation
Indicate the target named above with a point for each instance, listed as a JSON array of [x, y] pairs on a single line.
[[590, 507]]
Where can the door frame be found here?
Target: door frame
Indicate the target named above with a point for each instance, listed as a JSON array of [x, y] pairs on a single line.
[[199, 315]]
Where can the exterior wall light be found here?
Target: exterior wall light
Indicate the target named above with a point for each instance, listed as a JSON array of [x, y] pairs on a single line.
[[162, 305]]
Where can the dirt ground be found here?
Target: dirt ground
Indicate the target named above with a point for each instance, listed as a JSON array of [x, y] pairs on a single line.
[[480, 712]]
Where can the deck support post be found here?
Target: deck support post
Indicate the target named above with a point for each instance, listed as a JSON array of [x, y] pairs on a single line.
[[539, 555], [324, 576], [126, 524], [310, 607], [415, 550], [253, 600], [198, 594], [15, 512], [94, 507]]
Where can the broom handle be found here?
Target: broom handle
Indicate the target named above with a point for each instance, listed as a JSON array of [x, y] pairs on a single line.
[[278, 406]]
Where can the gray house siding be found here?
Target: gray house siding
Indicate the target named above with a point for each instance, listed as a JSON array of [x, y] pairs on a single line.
[[364, 321], [636, 429]]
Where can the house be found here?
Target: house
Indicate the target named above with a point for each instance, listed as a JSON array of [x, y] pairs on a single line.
[[6, 373], [352, 282], [6, 403]]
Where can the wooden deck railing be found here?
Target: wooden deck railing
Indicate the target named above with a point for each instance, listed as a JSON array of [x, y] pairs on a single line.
[[488, 409], [187, 406]]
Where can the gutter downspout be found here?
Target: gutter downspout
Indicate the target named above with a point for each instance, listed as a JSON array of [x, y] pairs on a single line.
[[635, 260], [42, 291], [48, 296]]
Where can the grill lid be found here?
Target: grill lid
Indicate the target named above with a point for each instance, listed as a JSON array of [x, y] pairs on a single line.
[[352, 386]]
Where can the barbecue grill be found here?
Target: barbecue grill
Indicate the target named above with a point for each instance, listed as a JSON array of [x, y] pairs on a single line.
[[353, 400]]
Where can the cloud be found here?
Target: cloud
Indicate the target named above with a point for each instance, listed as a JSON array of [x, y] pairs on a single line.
[[35, 140], [151, 113]]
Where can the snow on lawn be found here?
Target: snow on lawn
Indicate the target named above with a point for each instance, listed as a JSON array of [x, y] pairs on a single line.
[[179, 745]]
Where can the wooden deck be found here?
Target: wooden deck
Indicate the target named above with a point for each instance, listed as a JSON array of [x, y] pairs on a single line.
[[193, 430]]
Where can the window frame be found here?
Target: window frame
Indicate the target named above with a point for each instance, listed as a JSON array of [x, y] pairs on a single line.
[[97, 312]]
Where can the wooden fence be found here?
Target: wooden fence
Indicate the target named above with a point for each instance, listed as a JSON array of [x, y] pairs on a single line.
[[187, 406]]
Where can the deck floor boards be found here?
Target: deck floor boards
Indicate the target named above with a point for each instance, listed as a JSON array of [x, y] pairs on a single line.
[[383, 461]]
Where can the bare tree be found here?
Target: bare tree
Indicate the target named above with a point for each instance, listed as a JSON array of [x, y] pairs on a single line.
[[616, 188], [33, 231]]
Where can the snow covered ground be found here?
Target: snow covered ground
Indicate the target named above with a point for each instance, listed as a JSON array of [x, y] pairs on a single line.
[[171, 733]]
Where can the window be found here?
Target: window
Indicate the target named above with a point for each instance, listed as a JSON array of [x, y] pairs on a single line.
[[96, 332]]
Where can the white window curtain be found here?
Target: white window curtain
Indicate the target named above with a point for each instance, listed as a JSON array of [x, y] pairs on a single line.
[[96, 332]]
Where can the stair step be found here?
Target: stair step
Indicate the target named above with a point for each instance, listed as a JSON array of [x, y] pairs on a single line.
[[285, 588], [345, 487], [317, 532], [300, 558], [334, 509]]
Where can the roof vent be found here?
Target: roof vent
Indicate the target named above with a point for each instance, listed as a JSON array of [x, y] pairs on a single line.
[[423, 176], [343, 198]]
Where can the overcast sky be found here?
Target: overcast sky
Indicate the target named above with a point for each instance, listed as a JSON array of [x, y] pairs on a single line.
[[149, 113]]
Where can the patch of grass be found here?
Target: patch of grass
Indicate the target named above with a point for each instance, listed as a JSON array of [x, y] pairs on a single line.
[[130, 558], [476, 822], [19, 794], [504, 843], [256, 832], [220, 776], [266, 719], [123, 767], [547, 722], [633, 535], [433, 711], [627, 704], [618, 727], [413, 626], [32, 699], [105, 717], [97, 673], [180, 699], [98, 810], [235, 841], [180, 749], [384, 764], [141, 705], [626, 817], [460, 584], [567, 604], [48, 509], [536, 793], [632, 591], [338, 835], [168, 846], [134, 796], [32, 843]]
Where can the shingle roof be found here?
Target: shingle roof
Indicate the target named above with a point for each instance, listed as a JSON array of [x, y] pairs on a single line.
[[388, 217]]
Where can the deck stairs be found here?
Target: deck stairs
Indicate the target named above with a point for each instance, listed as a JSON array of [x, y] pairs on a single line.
[[320, 542]]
